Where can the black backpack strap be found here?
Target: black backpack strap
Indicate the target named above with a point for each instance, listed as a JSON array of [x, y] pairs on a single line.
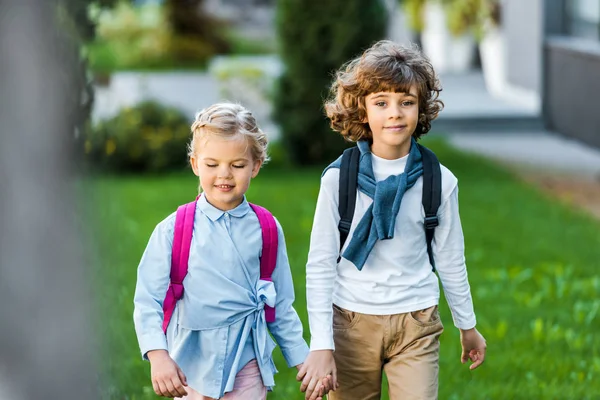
[[432, 196], [347, 191]]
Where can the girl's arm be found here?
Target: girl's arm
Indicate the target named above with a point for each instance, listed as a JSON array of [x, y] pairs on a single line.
[[152, 282], [287, 327]]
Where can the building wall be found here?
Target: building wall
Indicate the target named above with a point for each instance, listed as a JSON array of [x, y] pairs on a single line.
[[523, 22], [571, 70], [572, 88]]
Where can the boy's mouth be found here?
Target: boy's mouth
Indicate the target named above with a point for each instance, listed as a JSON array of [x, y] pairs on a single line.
[[395, 127]]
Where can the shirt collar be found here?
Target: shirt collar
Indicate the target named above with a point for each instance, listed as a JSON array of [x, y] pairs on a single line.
[[214, 213]]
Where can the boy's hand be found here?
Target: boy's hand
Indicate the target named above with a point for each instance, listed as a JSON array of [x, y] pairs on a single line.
[[323, 387], [168, 379], [318, 374], [473, 347]]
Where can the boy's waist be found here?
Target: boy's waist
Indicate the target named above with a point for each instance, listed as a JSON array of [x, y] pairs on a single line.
[[369, 297], [386, 309]]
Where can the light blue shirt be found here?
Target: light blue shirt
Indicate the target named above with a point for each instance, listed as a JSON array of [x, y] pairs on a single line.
[[219, 324]]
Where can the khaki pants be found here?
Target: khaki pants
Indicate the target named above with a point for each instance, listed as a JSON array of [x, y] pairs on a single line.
[[405, 346]]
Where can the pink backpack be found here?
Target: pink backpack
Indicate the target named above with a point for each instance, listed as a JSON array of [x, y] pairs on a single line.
[[182, 239]]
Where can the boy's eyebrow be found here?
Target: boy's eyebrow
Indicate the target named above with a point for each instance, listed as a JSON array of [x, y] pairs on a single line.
[[377, 96], [380, 95]]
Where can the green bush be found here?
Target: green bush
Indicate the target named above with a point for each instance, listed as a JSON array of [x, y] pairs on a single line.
[[130, 37], [317, 37], [145, 138]]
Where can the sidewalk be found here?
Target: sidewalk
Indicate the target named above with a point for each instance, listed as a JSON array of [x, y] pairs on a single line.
[[563, 168], [537, 151]]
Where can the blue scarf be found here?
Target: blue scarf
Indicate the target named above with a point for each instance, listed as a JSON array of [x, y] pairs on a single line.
[[379, 220]]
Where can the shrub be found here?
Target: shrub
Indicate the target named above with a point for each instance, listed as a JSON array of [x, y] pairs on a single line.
[[145, 138], [317, 37], [130, 37]]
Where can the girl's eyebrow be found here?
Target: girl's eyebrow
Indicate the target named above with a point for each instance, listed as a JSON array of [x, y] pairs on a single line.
[[236, 160]]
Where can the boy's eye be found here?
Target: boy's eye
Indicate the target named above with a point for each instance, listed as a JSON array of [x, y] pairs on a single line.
[[238, 166], [211, 165]]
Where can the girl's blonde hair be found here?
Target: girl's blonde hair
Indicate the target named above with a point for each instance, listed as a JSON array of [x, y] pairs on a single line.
[[229, 120]]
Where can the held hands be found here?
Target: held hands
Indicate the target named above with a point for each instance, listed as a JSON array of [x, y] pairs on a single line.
[[318, 374], [167, 378], [473, 347]]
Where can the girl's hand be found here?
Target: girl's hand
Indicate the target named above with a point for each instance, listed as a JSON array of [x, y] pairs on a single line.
[[168, 379], [318, 374], [322, 387], [473, 347]]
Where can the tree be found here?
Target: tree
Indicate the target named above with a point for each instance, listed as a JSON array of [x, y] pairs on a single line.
[[316, 38], [189, 22]]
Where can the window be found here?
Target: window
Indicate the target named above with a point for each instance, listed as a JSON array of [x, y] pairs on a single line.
[[583, 18]]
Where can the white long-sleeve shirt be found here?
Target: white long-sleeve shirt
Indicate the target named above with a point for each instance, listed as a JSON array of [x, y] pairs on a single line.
[[397, 276]]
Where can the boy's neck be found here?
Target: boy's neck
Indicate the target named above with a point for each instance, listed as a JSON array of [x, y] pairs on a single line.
[[388, 152]]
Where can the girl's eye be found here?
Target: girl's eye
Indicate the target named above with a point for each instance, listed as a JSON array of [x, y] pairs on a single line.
[[380, 104], [408, 103]]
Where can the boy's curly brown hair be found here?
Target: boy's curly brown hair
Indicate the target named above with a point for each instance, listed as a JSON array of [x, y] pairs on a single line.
[[384, 67]]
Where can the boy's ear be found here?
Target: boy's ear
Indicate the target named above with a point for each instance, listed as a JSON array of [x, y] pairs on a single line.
[[256, 168], [194, 163]]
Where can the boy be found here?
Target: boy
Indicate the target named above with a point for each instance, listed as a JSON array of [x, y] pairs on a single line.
[[376, 305]]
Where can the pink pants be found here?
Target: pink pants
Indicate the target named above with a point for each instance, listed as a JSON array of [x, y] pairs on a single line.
[[248, 386]]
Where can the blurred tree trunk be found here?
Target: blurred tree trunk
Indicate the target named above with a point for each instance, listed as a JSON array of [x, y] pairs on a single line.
[[45, 342]]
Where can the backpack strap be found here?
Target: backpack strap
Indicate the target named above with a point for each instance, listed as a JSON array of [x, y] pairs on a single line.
[[432, 196], [182, 239], [268, 259], [347, 192]]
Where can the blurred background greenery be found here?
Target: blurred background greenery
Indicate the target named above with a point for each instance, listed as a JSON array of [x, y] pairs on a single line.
[[148, 65]]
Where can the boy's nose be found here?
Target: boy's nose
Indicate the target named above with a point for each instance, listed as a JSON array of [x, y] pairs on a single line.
[[396, 112]]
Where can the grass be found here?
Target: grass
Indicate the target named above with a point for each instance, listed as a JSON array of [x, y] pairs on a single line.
[[533, 269]]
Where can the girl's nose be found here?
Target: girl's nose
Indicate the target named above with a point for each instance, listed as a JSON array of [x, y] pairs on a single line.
[[224, 172]]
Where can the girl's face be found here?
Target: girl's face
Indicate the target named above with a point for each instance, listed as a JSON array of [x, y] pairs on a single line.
[[392, 118], [225, 167]]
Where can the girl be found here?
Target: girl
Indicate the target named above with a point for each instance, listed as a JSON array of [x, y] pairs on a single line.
[[216, 344]]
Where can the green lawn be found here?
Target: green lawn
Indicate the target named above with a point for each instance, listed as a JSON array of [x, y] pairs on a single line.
[[533, 267]]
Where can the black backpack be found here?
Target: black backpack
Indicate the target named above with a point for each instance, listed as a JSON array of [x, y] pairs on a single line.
[[432, 193]]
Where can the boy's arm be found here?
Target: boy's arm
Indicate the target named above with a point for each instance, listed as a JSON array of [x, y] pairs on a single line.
[[322, 263], [449, 255], [287, 327], [152, 282]]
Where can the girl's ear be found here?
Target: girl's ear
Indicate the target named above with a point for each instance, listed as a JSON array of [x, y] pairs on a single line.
[[256, 167], [194, 163]]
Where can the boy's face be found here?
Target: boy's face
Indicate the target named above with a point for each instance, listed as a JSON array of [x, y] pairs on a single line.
[[392, 118], [225, 167]]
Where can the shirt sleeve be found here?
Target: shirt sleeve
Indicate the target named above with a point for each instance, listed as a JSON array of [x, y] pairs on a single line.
[[449, 255], [153, 279], [287, 327], [322, 263]]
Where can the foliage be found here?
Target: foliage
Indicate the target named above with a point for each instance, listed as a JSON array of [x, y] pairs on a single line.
[[145, 138], [152, 36], [316, 38], [462, 16]]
